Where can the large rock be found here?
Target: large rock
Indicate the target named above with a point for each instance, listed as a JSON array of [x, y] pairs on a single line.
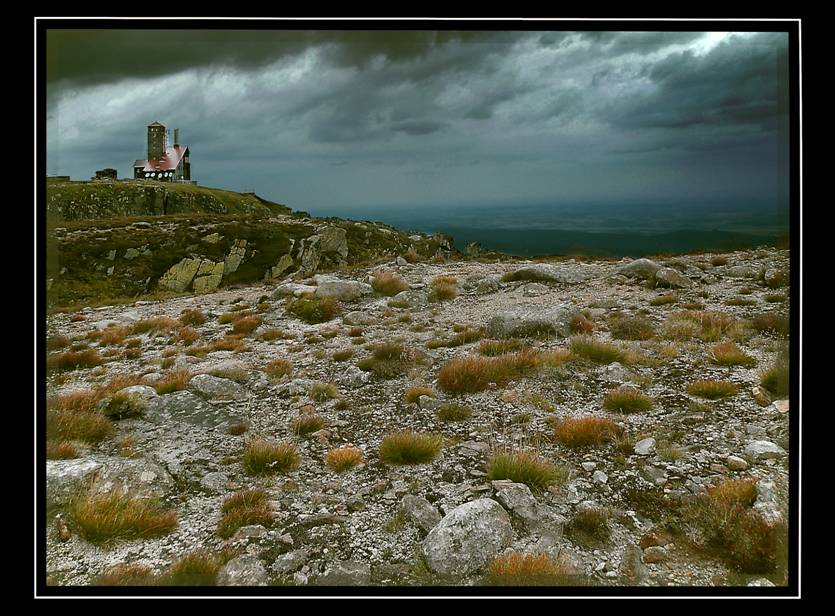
[[217, 388], [309, 254], [467, 538], [532, 321], [242, 571], [568, 274], [420, 512], [346, 573], [669, 277], [766, 503], [334, 240], [290, 562], [757, 451], [187, 408], [137, 477], [358, 317], [412, 298], [208, 276], [518, 499], [343, 290], [283, 264], [292, 288], [639, 268], [67, 478], [179, 276], [234, 258]]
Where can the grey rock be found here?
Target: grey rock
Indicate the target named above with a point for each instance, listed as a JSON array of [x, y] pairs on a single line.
[[669, 277], [346, 573], [282, 265], [420, 512], [532, 321], [534, 289], [358, 317], [245, 534], [567, 274], [600, 477], [67, 478], [467, 538], [639, 268], [401, 261], [212, 238], [739, 271], [632, 566], [217, 388], [353, 377], [520, 501], [187, 408], [243, 571], [131, 253], [138, 477], [342, 290], [758, 451], [236, 255], [766, 503], [290, 562], [292, 289], [179, 276], [645, 447], [488, 285], [735, 463], [334, 240], [428, 403], [412, 298], [615, 373], [589, 466], [214, 482], [761, 582]]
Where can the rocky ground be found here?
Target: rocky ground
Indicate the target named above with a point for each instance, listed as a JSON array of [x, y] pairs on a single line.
[[440, 522]]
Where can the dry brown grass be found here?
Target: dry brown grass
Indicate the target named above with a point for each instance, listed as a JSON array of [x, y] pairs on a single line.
[[156, 324], [412, 394], [126, 574], [729, 354], [356, 332], [344, 458], [246, 325], [597, 351], [443, 288], [114, 334], [586, 431], [711, 389], [190, 316], [772, 323], [103, 517], [264, 457], [518, 569], [581, 324], [75, 417], [57, 342], [279, 367], [72, 360], [703, 324], [186, 336], [631, 328], [627, 399], [491, 348], [311, 309], [472, 374], [175, 380], [343, 355], [269, 335], [306, 423], [243, 509], [61, 450], [388, 283], [409, 447]]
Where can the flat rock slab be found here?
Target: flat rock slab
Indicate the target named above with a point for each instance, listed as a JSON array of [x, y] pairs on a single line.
[[67, 478], [756, 451], [532, 320], [467, 538], [217, 388], [187, 408]]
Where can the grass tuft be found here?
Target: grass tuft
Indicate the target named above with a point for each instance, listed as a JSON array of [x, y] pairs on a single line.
[[664, 300], [388, 283], [776, 378], [323, 391], [472, 374], [771, 323], [625, 399], [453, 412], [518, 569], [72, 360], [712, 390], [409, 447], [132, 574], [246, 325], [101, 518], [244, 508], [596, 350], [307, 423], [343, 458], [311, 309], [189, 316], [586, 431], [176, 380], [412, 394], [279, 367], [729, 354], [264, 457], [526, 467], [631, 328]]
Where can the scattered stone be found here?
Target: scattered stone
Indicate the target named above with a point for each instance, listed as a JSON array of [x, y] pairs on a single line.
[[346, 573], [645, 447], [524, 321], [243, 571], [780, 406], [358, 317], [735, 463], [760, 396], [217, 388], [600, 477], [639, 268], [420, 512], [290, 562], [589, 466], [757, 451], [467, 538], [761, 582], [669, 277], [534, 289]]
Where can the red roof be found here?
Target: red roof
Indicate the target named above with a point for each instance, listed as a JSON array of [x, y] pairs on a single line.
[[169, 162]]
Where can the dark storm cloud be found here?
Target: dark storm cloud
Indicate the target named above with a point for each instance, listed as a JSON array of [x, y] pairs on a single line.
[[484, 114]]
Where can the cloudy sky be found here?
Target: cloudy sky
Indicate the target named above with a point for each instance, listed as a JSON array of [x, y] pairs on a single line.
[[345, 119]]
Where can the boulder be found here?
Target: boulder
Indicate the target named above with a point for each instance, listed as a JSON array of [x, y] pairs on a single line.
[[639, 268], [531, 320], [179, 276], [234, 258], [67, 478], [645, 447], [518, 499], [358, 317], [208, 276], [243, 571], [217, 388], [138, 477], [669, 277], [566, 274], [187, 408], [281, 266], [467, 538], [756, 451], [290, 562], [292, 288], [346, 573], [412, 298], [334, 240], [343, 290], [420, 512]]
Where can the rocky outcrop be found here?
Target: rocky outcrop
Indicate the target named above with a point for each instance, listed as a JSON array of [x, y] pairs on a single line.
[[639, 268], [532, 321], [179, 277], [243, 571], [467, 538], [669, 277], [342, 290]]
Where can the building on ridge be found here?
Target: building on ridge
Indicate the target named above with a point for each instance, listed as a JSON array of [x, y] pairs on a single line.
[[164, 163]]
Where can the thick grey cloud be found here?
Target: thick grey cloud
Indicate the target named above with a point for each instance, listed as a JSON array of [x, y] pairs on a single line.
[[346, 118]]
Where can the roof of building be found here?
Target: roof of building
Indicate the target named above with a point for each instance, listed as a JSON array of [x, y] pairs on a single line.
[[156, 124], [169, 162]]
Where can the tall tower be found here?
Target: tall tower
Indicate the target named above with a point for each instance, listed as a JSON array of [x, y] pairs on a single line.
[[156, 141]]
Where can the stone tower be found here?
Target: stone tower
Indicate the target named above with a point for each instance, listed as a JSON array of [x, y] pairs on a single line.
[[156, 141]]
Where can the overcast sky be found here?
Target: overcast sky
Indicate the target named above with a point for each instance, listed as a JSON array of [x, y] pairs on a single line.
[[346, 119]]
